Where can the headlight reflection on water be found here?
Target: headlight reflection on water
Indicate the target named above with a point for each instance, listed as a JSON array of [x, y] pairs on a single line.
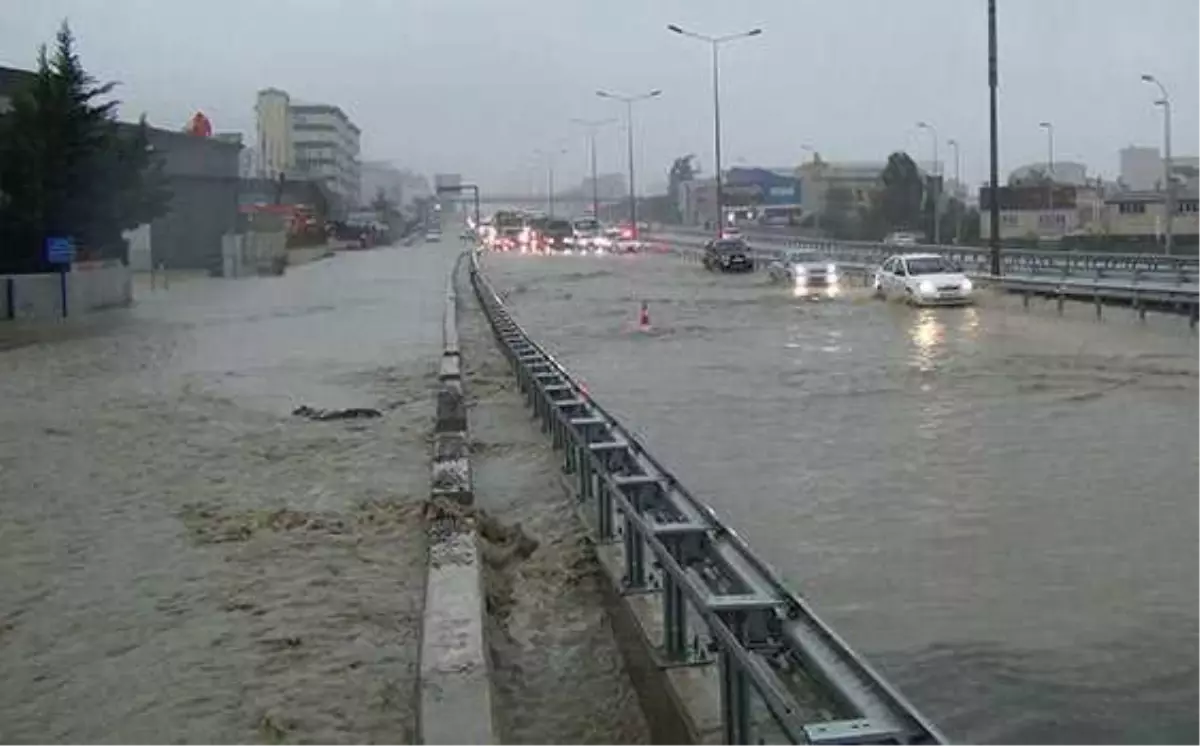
[[928, 335]]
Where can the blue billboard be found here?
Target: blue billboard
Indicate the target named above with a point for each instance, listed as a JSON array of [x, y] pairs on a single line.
[[760, 187]]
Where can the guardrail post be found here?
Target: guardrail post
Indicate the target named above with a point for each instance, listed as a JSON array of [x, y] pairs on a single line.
[[635, 548], [674, 607], [604, 516], [735, 689]]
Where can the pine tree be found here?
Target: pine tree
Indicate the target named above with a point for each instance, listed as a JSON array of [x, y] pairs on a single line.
[[66, 169]]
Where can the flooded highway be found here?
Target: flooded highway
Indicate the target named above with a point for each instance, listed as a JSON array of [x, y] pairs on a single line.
[[997, 506], [186, 561]]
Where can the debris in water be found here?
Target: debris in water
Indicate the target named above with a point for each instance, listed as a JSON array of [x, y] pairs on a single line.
[[322, 415]]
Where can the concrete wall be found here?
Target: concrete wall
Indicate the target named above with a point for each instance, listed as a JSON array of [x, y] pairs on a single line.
[[253, 254], [203, 179], [91, 286], [141, 257], [202, 210]]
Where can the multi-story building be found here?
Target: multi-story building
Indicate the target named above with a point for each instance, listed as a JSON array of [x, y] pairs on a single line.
[[1034, 212], [1143, 214], [817, 178], [310, 141], [272, 112], [326, 146]]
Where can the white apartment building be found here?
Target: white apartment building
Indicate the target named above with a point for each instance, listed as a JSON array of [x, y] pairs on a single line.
[[325, 144], [316, 141]]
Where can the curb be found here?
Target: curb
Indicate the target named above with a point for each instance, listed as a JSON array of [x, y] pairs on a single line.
[[455, 688]]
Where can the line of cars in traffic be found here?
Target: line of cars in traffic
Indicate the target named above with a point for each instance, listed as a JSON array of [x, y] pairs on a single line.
[[916, 278], [528, 233]]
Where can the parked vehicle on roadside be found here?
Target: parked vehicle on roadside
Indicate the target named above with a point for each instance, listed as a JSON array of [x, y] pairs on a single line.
[[728, 255], [923, 280]]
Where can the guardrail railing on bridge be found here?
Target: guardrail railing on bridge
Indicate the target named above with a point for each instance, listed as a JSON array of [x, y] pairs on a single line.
[[782, 671]]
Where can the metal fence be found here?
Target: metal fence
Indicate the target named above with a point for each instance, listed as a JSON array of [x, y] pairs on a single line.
[[1156, 267], [784, 675]]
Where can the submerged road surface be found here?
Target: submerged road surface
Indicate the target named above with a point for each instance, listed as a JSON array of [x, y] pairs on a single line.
[[997, 506], [181, 559]]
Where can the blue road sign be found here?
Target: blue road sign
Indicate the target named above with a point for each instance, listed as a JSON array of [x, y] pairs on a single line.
[[60, 250]]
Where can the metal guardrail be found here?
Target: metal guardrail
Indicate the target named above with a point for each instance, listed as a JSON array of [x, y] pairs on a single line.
[[775, 655], [1140, 291], [1158, 267]]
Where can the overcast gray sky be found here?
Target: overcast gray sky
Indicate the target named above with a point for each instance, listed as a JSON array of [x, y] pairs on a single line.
[[475, 86]]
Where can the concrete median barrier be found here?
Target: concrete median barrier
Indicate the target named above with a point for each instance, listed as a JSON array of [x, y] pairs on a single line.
[[455, 677]]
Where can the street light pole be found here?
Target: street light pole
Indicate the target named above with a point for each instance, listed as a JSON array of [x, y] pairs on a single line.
[[1049, 127], [715, 42], [592, 125], [550, 155], [1168, 182], [816, 213], [957, 186], [937, 224], [994, 136], [629, 101]]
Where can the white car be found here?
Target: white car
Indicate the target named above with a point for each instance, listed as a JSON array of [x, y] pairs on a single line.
[[923, 280], [901, 239], [801, 267]]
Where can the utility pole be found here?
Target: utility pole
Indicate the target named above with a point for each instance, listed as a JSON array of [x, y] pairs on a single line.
[[994, 207]]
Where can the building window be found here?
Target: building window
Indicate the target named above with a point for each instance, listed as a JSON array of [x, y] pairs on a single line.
[[1188, 205], [1052, 220], [1131, 208], [1009, 219]]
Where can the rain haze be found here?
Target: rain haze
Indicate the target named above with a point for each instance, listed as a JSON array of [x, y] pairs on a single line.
[[354, 401], [477, 87]]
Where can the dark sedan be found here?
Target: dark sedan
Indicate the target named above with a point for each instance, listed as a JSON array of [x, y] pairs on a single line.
[[728, 255]]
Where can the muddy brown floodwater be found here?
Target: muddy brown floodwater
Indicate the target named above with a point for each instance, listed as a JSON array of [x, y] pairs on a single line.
[[181, 559], [559, 676], [997, 506]]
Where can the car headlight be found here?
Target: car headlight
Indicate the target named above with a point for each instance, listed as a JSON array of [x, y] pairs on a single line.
[[927, 288], [831, 268], [800, 270], [967, 285]]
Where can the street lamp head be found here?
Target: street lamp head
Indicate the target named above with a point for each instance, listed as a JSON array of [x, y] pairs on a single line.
[[923, 125], [754, 32], [604, 94], [1045, 125], [1148, 78], [676, 29], [655, 93], [1161, 102]]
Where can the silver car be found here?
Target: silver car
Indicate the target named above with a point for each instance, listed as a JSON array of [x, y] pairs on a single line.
[[806, 268]]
